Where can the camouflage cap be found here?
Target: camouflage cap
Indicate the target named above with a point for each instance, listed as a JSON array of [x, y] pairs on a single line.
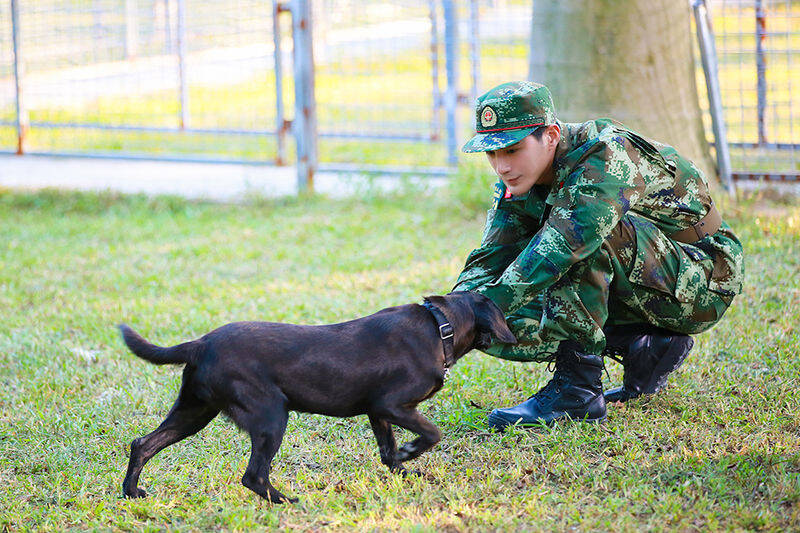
[[509, 112]]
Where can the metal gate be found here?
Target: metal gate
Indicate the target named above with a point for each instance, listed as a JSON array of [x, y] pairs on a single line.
[[218, 80]]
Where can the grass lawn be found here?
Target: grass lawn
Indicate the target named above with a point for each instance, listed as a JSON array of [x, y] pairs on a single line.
[[719, 449]]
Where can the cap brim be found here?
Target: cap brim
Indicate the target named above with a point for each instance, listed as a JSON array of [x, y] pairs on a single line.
[[484, 142]]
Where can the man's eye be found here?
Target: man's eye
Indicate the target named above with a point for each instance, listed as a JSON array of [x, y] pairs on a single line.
[[511, 150], [490, 153]]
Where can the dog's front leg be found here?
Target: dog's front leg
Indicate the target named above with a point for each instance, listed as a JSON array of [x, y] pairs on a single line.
[[386, 443], [266, 430], [411, 420]]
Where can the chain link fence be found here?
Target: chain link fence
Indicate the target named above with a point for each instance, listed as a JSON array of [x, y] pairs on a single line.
[[213, 80]]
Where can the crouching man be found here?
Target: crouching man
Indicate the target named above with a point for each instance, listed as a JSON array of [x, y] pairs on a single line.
[[598, 242]]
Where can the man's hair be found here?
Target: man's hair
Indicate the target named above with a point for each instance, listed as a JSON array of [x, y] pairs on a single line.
[[538, 132]]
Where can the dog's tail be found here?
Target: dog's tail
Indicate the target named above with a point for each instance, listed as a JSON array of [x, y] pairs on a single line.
[[179, 354]]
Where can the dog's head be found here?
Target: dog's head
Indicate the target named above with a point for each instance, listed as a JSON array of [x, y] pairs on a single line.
[[489, 320]]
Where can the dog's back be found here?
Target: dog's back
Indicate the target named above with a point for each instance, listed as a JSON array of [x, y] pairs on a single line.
[[335, 369]]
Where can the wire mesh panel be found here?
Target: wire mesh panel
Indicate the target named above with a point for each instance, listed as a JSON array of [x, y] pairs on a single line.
[[503, 28], [758, 47], [382, 74], [375, 75], [182, 78]]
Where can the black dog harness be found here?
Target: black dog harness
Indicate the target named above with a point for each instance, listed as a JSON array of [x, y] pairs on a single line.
[[446, 333]]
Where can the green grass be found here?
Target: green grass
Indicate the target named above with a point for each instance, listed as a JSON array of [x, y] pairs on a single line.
[[718, 449]]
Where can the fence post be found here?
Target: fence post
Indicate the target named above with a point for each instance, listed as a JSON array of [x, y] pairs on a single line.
[[451, 94], [474, 48], [182, 81], [531, 44], [708, 53], [22, 120], [131, 29], [169, 45], [280, 119], [304, 124], [761, 69], [437, 94]]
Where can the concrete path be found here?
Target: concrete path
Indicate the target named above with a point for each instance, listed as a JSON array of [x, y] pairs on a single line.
[[212, 181]]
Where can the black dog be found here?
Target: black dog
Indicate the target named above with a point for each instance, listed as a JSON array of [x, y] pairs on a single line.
[[381, 365]]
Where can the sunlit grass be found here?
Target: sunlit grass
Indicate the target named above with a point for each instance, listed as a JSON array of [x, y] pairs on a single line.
[[717, 450]]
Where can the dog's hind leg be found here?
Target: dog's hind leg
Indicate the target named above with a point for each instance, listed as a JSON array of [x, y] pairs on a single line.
[[386, 443], [188, 416], [266, 429], [411, 420]]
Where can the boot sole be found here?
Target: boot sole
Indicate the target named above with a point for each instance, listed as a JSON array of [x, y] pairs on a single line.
[[500, 424], [618, 394]]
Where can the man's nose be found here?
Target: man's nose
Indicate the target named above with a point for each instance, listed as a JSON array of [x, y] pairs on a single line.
[[503, 165]]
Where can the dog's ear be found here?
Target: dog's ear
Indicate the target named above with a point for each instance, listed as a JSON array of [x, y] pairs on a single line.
[[489, 318], [483, 340]]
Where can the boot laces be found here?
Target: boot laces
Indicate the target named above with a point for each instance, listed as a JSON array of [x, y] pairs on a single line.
[[553, 387]]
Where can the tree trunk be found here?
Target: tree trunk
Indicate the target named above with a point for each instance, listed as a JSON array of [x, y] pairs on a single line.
[[628, 60]]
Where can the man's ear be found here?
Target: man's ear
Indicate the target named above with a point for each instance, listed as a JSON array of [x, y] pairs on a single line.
[[488, 317], [552, 135]]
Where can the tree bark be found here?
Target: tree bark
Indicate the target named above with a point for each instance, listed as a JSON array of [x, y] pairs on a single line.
[[628, 60]]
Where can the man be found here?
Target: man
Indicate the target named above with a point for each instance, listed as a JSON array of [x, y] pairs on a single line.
[[598, 242]]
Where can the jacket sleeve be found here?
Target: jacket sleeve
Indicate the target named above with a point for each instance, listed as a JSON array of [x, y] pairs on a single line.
[[509, 227], [601, 187]]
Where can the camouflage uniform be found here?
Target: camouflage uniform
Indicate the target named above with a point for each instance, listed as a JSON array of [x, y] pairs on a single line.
[[593, 248]]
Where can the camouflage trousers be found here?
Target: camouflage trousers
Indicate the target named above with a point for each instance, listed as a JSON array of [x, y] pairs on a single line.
[[637, 276]]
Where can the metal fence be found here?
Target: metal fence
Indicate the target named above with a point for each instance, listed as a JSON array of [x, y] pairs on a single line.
[[214, 80], [758, 50], [141, 77]]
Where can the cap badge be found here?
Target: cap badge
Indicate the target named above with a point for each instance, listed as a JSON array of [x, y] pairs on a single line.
[[488, 117]]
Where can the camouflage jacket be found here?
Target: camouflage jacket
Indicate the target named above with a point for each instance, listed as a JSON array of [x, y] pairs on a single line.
[[603, 171]]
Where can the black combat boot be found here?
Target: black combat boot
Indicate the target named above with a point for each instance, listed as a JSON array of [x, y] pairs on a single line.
[[648, 354], [575, 392]]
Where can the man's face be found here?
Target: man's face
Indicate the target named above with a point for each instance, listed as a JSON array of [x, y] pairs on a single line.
[[524, 164]]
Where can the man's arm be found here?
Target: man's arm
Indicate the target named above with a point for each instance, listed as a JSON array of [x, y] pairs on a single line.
[[510, 224], [601, 188]]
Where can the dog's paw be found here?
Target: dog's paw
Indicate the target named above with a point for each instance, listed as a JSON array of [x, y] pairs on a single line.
[[407, 451], [405, 472], [136, 492], [279, 497]]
